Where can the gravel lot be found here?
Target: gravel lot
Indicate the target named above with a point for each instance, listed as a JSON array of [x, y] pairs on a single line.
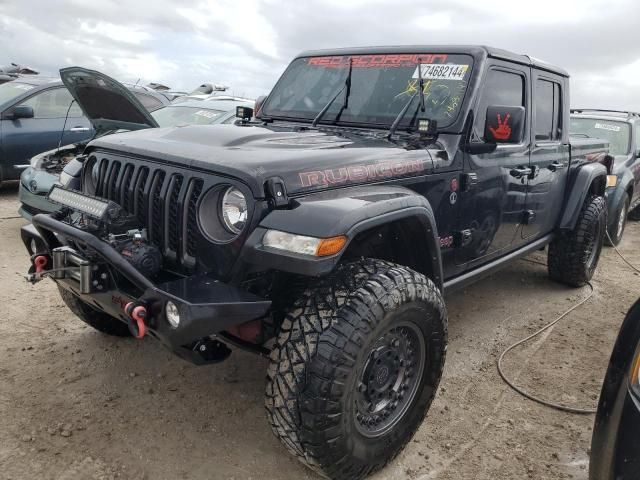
[[75, 404]]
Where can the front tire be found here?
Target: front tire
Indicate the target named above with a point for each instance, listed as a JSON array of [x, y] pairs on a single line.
[[356, 366], [616, 230], [94, 318], [573, 255]]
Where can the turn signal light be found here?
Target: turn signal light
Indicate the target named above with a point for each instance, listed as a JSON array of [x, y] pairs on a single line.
[[331, 246]]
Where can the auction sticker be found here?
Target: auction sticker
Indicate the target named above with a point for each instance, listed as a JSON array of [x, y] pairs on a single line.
[[207, 113], [607, 126], [439, 71]]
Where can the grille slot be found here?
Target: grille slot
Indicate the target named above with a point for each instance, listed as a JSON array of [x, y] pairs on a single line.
[[164, 202], [190, 220]]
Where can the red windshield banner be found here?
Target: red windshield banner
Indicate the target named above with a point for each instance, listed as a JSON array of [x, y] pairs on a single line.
[[377, 61]]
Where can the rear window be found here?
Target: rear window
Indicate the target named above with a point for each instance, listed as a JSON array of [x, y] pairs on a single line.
[[617, 133], [11, 90]]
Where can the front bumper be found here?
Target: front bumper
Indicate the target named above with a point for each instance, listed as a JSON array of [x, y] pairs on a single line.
[[107, 281]]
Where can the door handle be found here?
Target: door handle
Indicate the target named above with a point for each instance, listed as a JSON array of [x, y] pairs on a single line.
[[520, 172], [557, 166], [79, 129]]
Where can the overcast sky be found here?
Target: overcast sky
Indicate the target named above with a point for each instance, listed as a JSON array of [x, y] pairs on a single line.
[[247, 43]]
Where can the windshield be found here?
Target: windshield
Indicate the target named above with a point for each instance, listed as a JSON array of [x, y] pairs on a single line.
[[381, 85], [11, 90], [617, 133], [175, 115]]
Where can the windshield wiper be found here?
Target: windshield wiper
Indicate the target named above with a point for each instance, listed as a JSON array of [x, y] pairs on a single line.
[[403, 112], [347, 87]]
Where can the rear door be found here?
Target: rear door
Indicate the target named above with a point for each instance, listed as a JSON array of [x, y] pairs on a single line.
[[549, 156], [25, 137], [492, 209]]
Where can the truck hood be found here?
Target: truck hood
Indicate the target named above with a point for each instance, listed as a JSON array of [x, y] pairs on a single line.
[[305, 161], [108, 104]]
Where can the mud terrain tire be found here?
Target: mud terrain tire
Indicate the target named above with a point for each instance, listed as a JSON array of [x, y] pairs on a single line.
[[356, 366], [99, 320], [573, 255]]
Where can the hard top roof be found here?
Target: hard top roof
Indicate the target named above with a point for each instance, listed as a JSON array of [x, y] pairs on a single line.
[[476, 50], [604, 113]]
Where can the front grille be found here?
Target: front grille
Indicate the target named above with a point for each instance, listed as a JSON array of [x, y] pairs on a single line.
[[164, 200]]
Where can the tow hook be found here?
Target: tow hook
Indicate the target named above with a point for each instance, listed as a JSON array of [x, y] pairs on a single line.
[[40, 262], [37, 270], [137, 314]]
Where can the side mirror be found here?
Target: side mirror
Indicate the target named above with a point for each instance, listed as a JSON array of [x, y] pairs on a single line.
[[504, 124], [258, 106], [21, 111]]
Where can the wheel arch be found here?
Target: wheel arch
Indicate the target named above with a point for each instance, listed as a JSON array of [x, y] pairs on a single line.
[[364, 215], [589, 179]]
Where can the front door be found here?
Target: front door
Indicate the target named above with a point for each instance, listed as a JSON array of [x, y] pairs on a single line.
[[549, 156], [493, 204]]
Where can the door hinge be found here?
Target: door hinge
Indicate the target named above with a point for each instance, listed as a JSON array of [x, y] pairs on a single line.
[[468, 181], [462, 238], [277, 192]]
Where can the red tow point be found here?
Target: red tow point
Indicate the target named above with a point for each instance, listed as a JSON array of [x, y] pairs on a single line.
[[40, 262], [137, 315]]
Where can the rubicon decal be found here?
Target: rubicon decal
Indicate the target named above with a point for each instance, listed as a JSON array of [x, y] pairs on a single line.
[[361, 173]]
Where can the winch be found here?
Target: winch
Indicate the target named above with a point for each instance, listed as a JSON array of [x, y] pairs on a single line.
[[134, 247]]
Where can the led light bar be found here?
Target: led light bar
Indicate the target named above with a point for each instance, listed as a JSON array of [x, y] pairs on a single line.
[[94, 207]]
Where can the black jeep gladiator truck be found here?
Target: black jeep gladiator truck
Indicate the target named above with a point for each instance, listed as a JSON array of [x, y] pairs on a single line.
[[622, 131], [325, 233]]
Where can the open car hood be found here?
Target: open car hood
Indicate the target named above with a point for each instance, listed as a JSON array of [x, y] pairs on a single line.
[[107, 103]]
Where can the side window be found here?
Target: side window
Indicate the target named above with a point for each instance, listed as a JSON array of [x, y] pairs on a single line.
[[53, 103], [148, 102], [501, 88], [548, 110]]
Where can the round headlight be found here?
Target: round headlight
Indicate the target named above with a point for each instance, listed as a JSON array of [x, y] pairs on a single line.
[[234, 210], [173, 314]]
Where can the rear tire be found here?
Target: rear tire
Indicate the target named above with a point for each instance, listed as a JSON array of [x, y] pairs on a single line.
[[573, 255], [99, 320], [634, 214], [356, 366], [617, 229]]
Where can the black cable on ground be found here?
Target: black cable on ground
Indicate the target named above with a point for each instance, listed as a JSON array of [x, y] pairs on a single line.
[[524, 393]]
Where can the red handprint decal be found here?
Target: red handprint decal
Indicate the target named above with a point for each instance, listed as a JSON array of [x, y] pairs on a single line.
[[503, 132]]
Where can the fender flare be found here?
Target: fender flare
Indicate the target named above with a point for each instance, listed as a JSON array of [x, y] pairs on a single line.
[[346, 211], [579, 187]]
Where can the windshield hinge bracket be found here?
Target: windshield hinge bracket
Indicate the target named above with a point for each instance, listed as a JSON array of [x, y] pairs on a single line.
[[277, 192]]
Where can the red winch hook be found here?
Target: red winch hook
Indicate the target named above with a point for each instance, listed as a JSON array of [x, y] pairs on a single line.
[[40, 262], [137, 314]]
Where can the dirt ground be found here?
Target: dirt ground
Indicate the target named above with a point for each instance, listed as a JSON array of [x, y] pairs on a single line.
[[75, 404]]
